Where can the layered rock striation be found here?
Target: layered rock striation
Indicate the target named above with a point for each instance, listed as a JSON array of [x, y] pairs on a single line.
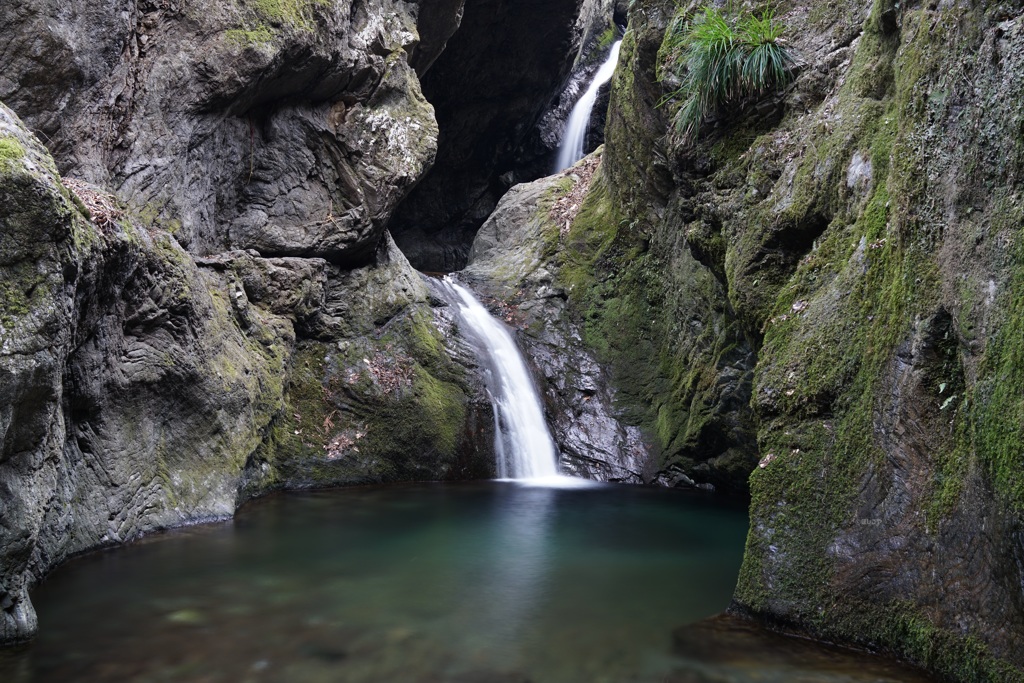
[[290, 127]]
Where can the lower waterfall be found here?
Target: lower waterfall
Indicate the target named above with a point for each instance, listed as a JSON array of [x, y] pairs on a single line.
[[522, 441]]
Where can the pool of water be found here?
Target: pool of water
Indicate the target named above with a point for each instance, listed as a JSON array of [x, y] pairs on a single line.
[[491, 582]]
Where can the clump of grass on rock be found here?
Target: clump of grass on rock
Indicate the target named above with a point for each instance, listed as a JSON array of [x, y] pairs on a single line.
[[718, 59]]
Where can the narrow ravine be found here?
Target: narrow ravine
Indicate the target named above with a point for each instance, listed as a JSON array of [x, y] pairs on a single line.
[[730, 341]]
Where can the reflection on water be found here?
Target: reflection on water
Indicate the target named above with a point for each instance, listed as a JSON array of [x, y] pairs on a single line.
[[725, 649], [516, 571], [484, 582]]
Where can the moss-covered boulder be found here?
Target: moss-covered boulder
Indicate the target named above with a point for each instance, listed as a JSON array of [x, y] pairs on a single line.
[[376, 391], [36, 236], [887, 507], [658, 317]]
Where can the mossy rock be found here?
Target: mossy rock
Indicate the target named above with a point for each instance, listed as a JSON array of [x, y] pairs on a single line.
[[392, 407]]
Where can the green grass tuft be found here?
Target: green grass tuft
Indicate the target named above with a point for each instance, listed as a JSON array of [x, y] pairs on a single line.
[[720, 60]]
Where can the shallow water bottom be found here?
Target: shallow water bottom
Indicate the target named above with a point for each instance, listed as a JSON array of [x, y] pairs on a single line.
[[492, 582]]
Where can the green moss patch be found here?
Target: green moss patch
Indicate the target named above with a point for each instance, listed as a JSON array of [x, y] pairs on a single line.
[[293, 13], [22, 288], [633, 303], [391, 407], [828, 373], [10, 148], [245, 37], [11, 151], [997, 401]]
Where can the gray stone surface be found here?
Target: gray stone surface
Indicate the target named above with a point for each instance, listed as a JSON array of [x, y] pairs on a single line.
[[504, 68], [212, 307], [513, 266], [291, 128], [131, 395]]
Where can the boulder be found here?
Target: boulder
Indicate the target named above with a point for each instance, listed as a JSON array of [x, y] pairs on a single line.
[[515, 264], [290, 128]]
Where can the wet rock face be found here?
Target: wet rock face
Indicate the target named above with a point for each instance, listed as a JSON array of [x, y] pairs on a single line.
[[291, 128], [501, 71], [603, 23], [131, 396], [34, 334], [513, 266], [145, 388]]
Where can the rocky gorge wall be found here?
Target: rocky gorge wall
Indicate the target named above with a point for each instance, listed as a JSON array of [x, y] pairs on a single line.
[[823, 290], [503, 90], [199, 299], [201, 302]]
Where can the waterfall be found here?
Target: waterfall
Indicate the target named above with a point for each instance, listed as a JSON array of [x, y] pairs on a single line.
[[522, 443], [575, 135]]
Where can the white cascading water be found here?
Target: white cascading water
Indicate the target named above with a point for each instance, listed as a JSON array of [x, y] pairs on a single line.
[[522, 441], [575, 135]]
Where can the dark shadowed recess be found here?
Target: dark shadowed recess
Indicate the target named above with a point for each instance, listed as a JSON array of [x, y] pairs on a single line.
[[501, 70]]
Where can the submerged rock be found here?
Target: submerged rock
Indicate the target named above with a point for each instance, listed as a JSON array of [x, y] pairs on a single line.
[[728, 648]]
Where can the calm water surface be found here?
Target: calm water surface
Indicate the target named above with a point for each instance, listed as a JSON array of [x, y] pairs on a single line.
[[398, 584], [490, 582]]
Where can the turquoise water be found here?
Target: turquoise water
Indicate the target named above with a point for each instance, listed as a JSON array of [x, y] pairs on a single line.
[[489, 582]]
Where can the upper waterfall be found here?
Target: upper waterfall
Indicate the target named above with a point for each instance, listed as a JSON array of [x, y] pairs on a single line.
[[575, 135], [522, 442]]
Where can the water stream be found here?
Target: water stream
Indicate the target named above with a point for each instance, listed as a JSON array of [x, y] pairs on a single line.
[[522, 441], [575, 134]]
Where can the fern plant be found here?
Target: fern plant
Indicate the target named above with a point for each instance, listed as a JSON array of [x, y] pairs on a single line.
[[720, 60]]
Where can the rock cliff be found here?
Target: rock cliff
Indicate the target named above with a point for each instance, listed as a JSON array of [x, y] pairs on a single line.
[[200, 300], [824, 289], [494, 89], [290, 127]]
